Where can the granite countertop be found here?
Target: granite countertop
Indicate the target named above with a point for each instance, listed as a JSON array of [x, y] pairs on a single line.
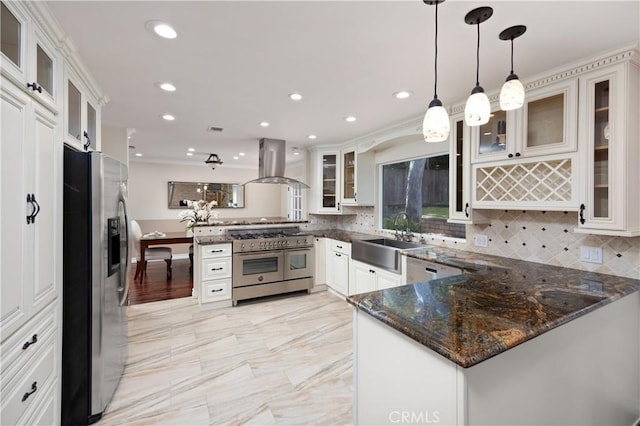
[[212, 239], [495, 305], [250, 221], [344, 236]]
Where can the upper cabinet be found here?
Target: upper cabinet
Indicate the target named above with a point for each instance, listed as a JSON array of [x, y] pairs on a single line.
[[326, 183], [357, 178], [82, 114], [460, 207], [28, 57], [609, 131], [546, 124]]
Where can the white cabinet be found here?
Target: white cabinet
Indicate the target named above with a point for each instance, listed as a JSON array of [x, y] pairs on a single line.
[[546, 124], [609, 132], [460, 182], [358, 183], [338, 263], [213, 269], [367, 278], [320, 272], [29, 345], [326, 183], [28, 57], [82, 114], [30, 161]]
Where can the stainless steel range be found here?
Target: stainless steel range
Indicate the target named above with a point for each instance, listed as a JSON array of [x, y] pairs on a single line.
[[269, 261]]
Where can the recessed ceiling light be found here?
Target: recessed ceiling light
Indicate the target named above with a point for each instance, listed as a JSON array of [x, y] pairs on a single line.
[[235, 157], [166, 86], [350, 119], [191, 150], [295, 96], [162, 29], [242, 154], [168, 117], [138, 154], [189, 154], [403, 94], [264, 124], [312, 137]]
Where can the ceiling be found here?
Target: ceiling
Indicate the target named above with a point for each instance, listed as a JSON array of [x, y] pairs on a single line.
[[235, 62]]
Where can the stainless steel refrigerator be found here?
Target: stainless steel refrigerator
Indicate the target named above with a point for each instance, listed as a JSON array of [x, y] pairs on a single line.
[[95, 283]]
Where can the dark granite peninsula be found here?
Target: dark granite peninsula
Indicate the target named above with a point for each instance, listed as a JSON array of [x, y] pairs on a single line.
[[506, 342]]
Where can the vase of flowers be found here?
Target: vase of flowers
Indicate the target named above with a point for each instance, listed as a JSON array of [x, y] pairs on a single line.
[[198, 212]]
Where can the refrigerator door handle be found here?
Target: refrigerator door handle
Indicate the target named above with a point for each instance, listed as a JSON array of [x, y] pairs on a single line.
[[124, 273]]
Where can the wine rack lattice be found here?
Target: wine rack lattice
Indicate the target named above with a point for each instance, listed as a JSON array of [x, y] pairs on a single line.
[[546, 181]]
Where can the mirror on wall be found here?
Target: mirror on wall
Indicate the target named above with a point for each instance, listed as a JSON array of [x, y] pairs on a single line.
[[227, 195]]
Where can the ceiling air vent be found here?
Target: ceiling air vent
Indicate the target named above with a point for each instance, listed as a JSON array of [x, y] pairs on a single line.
[[214, 129]]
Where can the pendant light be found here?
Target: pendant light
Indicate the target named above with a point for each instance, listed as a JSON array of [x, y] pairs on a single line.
[[478, 108], [436, 125], [512, 93]]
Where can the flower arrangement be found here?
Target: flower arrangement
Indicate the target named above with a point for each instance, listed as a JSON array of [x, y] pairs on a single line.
[[198, 212]]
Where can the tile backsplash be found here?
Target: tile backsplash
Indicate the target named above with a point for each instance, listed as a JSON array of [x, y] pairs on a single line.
[[535, 236]]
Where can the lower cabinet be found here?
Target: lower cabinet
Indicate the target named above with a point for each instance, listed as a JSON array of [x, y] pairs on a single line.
[[213, 269], [320, 271], [338, 263], [367, 278]]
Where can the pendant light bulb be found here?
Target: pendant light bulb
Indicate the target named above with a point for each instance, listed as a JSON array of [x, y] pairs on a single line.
[[477, 109], [436, 124], [512, 93]]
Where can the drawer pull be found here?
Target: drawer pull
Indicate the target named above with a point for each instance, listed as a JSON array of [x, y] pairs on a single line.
[[34, 388], [338, 246], [217, 269], [216, 251], [33, 341], [217, 290]]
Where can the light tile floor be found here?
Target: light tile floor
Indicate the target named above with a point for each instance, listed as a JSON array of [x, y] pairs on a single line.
[[280, 361]]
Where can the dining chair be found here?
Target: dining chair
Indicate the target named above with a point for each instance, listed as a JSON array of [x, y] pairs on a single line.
[[150, 253]]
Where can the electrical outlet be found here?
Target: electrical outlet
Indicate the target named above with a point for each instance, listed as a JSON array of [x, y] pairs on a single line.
[[591, 254], [481, 240]]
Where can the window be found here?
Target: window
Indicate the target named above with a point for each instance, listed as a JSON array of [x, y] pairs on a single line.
[[419, 188], [295, 203]]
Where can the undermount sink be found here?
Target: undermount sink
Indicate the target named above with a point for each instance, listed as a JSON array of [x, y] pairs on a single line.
[[381, 252]]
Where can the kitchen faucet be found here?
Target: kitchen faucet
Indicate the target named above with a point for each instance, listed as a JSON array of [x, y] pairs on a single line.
[[406, 233]]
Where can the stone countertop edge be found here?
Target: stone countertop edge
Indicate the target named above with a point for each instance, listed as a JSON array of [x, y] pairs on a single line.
[[495, 305], [212, 239], [251, 221], [340, 235]]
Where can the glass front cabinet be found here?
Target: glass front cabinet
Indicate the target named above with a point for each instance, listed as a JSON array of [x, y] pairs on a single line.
[[460, 208], [328, 174], [82, 115], [28, 57], [609, 129], [358, 169]]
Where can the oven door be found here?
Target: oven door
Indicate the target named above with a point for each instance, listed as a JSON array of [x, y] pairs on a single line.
[[257, 268], [298, 263]]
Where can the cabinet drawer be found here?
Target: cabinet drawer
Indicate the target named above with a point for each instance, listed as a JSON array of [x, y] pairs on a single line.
[[214, 291], [20, 347], [341, 247], [44, 412], [215, 250], [34, 380], [216, 268]]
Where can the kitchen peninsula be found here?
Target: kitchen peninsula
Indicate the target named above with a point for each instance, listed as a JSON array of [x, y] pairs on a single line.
[[507, 342]]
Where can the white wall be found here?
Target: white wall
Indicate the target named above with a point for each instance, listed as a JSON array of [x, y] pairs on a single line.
[[114, 142], [148, 190]]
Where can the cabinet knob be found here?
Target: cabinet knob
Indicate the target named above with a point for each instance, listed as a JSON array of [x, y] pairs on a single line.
[[517, 154], [510, 155]]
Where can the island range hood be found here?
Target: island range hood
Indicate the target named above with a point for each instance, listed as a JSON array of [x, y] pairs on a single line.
[[271, 164]]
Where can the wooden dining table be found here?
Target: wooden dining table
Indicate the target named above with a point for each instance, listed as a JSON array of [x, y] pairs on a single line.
[[168, 238]]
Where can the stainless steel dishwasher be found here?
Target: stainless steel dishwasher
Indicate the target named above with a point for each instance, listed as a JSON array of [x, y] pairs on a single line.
[[422, 270]]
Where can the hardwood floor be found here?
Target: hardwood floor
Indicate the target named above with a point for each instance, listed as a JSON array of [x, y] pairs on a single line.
[[154, 285], [281, 361]]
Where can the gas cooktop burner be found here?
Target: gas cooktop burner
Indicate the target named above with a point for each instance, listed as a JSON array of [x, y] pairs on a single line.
[[269, 239]]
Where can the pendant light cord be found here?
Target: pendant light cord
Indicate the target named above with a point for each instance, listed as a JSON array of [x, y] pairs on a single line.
[[435, 84], [512, 55], [478, 58]]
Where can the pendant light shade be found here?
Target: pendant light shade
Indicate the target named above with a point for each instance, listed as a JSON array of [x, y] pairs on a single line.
[[435, 126], [512, 93], [478, 108]]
